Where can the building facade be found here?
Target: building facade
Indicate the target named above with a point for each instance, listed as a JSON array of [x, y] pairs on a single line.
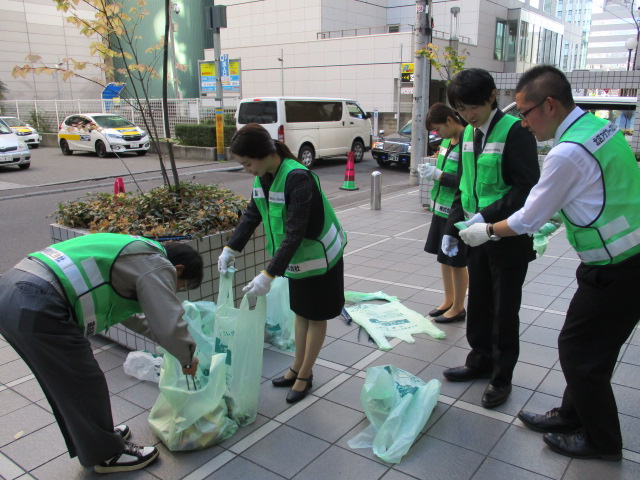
[[610, 29], [354, 49]]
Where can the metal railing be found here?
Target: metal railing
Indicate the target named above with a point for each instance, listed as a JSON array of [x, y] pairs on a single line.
[[384, 29], [49, 114]]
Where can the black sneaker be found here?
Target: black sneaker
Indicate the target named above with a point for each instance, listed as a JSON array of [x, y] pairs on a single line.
[[123, 430], [132, 458]]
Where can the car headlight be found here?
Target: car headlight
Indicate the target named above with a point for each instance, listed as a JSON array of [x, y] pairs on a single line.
[[22, 146], [115, 135], [143, 133], [379, 145], [409, 149]]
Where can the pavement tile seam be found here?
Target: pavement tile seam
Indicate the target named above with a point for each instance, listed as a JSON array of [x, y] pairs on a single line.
[[211, 466]]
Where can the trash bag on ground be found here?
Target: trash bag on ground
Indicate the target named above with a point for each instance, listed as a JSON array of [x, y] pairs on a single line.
[[143, 365], [280, 331], [239, 334], [397, 405], [392, 319], [190, 412], [356, 297]]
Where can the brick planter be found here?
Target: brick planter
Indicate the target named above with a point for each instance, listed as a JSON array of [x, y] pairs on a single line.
[[252, 260]]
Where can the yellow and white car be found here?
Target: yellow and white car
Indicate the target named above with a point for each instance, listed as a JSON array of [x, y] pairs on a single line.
[[24, 131], [101, 133], [13, 150]]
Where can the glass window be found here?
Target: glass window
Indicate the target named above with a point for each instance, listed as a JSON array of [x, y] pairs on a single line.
[[301, 111], [524, 46], [546, 6], [512, 35], [258, 112], [355, 111], [559, 9], [501, 33]]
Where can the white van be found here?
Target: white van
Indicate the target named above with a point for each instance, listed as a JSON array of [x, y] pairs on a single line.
[[311, 127]]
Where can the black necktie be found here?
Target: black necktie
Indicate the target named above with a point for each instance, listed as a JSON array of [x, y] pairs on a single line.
[[477, 142]]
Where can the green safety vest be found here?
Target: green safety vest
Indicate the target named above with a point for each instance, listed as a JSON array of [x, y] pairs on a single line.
[[314, 256], [482, 183], [83, 266], [614, 235], [441, 196]]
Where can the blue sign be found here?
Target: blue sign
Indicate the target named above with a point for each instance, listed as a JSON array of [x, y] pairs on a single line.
[[112, 91], [224, 69]]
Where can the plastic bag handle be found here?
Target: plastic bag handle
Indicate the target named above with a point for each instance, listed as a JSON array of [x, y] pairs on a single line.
[[225, 293]]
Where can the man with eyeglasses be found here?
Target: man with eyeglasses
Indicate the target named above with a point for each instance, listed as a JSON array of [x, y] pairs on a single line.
[[52, 300], [499, 166], [592, 178]]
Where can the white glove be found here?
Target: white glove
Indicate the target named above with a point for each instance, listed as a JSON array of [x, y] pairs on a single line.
[[226, 259], [428, 171], [477, 218], [475, 235], [259, 286], [449, 245]]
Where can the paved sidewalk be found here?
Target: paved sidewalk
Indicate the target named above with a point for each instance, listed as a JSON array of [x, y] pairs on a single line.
[[308, 440]]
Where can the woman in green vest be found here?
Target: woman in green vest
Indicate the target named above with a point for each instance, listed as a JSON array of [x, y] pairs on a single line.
[[305, 241], [444, 174]]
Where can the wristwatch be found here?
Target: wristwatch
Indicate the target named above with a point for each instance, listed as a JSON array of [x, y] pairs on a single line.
[[492, 235]]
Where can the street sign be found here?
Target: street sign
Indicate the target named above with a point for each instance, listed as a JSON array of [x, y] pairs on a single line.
[[406, 72], [225, 77], [207, 74], [112, 90]]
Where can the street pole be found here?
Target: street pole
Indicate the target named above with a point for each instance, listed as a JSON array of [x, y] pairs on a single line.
[[421, 80], [175, 8], [399, 92], [281, 59]]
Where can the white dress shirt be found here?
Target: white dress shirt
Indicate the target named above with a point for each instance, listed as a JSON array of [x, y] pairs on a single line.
[[570, 180]]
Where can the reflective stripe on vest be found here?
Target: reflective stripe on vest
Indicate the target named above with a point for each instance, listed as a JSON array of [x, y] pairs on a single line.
[[77, 281], [481, 183], [614, 235], [442, 196], [314, 256]]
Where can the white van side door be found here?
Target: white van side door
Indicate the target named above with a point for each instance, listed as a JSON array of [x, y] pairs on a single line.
[[359, 124], [334, 129]]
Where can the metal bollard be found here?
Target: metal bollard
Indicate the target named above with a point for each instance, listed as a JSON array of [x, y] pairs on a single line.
[[376, 190]]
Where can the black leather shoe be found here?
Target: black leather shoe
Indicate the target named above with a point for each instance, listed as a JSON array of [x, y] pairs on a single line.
[[285, 382], [437, 312], [575, 445], [461, 317], [550, 422], [494, 396], [295, 396], [464, 373]]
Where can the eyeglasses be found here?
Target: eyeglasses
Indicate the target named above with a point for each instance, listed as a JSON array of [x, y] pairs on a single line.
[[523, 115]]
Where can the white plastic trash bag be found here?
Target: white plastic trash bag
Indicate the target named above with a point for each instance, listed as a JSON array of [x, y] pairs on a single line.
[[143, 365], [398, 405]]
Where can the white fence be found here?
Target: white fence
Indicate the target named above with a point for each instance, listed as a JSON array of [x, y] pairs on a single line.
[[51, 113]]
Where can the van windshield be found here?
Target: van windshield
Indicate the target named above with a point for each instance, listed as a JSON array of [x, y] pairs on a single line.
[[257, 112]]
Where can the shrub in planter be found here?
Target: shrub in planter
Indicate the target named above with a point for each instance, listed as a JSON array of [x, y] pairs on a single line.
[[203, 135], [194, 211]]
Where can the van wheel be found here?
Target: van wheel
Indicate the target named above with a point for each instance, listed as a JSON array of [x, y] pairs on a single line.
[[64, 146], [306, 156], [358, 151]]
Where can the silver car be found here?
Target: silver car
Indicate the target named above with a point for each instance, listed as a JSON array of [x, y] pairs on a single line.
[[13, 150]]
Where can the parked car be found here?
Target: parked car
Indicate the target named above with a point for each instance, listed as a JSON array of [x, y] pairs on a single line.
[[396, 148], [23, 130], [13, 150], [311, 127], [101, 133]]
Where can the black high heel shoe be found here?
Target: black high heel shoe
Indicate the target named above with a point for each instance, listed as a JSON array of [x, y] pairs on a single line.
[[295, 396], [285, 382]]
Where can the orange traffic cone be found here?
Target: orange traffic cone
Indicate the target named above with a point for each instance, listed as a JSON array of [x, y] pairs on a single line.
[[350, 174], [118, 186]]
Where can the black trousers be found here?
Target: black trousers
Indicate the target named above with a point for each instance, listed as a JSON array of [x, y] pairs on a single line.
[[493, 322], [36, 322], [601, 316]]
